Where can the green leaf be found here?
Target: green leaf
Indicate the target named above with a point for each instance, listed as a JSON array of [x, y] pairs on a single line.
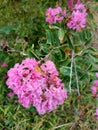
[[90, 67], [88, 33], [88, 51], [65, 71], [90, 16], [82, 36], [96, 7], [69, 42], [32, 109], [88, 41], [57, 54], [6, 30], [53, 27], [61, 34], [91, 50], [55, 38], [49, 36], [30, 54]]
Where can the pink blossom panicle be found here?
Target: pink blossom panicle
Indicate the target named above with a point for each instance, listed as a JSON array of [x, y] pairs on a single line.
[[77, 20], [54, 15], [36, 84]]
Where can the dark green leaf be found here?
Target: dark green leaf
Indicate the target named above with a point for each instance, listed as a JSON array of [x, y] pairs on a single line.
[[88, 41], [69, 42]]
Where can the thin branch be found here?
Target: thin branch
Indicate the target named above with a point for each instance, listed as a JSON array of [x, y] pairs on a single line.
[[21, 53], [35, 55], [71, 67], [68, 124], [47, 56], [77, 81]]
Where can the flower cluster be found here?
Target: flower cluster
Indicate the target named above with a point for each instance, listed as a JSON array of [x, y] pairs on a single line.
[[54, 15], [78, 18], [96, 113], [36, 84], [94, 89]]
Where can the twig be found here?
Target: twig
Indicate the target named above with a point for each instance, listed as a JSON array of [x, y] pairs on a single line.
[[77, 81], [47, 56], [21, 53], [72, 59], [74, 124], [68, 124], [35, 55]]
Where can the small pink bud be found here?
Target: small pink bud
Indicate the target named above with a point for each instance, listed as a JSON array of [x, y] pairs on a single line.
[[97, 74], [4, 64]]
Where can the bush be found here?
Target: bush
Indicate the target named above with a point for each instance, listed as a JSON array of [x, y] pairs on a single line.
[[64, 40]]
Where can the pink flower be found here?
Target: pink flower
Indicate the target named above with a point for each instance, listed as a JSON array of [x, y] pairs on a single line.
[[36, 84], [96, 113], [78, 1], [50, 16], [54, 15], [80, 7], [77, 20], [96, 83], [97, 74], [4, 64], [11, 94], [49, 67], [94, 90], [59, 14]]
